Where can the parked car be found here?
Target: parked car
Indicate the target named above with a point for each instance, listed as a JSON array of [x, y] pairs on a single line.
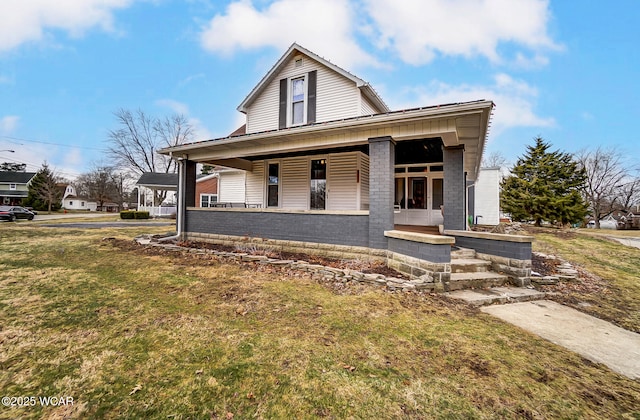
[[22, 213], [7, 214]]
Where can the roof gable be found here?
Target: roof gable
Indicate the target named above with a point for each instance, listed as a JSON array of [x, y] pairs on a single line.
[[296, 49]]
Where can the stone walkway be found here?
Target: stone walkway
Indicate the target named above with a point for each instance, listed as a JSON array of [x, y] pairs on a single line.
[[592, 338]]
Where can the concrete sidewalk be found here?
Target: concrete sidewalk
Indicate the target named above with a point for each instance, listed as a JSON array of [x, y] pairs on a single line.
[[593, 338]]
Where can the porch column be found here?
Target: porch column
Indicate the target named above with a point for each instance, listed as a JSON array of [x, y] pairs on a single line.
[[382, 158], [454, 188], [186, 193]]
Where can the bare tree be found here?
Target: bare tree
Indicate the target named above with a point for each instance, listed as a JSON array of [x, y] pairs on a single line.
[[495, 159], [608, 184], [134, 145], [103, 184]]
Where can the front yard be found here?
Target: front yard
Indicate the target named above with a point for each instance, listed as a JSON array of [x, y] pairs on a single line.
[[136, 333]]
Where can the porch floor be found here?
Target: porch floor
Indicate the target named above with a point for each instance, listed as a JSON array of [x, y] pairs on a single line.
[[431, 230]]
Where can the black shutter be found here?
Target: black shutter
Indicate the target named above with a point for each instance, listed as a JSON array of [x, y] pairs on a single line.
[[311, 101], [282, 119]]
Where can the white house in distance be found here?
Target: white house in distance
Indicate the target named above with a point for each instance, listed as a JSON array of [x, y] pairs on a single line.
[[327, 165], [71, 200]]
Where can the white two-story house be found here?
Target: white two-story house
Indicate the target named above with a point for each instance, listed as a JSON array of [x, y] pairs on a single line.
[[323, 162]]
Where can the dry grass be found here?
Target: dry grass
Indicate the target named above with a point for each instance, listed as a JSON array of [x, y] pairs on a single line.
[[141, 333], [616, 267]]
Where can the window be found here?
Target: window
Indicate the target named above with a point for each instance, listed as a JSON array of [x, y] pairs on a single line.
[[13, 187], [207, 200], [297, 101], [71, 203], [438, 195], [82, 204], [318, 184], [273, 185]]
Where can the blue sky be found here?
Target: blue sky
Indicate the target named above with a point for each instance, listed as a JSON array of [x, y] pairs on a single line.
[[564, 71]]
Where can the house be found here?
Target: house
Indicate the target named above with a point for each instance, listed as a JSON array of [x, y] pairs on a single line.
[[207, 190], [150, 182], [72, 201], [323, 164], [14, 186], [484, 197]]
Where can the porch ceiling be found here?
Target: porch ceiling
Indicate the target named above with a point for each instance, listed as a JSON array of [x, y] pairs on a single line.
[[458, 124]]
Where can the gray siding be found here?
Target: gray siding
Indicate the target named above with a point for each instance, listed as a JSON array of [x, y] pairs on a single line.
[[335, 229], [506, 249]]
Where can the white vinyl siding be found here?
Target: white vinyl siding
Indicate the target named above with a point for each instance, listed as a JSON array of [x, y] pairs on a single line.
[[336, 96], [295, 183], [367, 107], [342, 181], [232, 188], [255, 184], [364, 181]]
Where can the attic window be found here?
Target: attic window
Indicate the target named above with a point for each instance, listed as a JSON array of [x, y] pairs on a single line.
[[298, 62]]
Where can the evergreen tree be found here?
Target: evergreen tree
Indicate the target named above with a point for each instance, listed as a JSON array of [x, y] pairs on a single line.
[[544, 186], [44, 193]]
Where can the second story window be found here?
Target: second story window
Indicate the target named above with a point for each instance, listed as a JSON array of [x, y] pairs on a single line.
[[13, 187], [297, 101]]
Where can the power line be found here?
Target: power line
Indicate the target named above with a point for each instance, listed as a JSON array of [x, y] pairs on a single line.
[[52, 144]]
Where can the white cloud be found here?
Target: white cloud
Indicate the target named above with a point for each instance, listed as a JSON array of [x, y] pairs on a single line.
[[33, 20], [515, 101], [199, 129], [419, 30], [8, 124], [175, 106], [326, 27]]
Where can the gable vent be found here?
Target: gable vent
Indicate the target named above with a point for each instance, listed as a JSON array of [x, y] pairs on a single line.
[[298, 62]]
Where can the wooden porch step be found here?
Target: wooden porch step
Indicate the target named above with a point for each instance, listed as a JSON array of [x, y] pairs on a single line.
[[469, 265], [479, 280]]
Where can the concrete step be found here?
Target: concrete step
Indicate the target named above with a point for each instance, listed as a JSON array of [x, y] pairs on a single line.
[[476, 280], [469, 265], [497, 295], [459, 253]]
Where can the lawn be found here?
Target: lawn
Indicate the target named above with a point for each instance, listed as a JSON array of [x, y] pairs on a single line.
[[614, 291], [130, 332]]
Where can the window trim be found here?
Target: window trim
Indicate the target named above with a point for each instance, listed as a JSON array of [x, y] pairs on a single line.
[[13, 187], [290, 102], [267, 183], [209, 197]]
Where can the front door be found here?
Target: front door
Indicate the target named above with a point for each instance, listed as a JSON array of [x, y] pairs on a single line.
[[418, 197]]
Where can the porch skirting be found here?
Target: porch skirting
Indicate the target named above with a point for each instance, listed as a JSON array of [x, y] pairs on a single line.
[[350, 228], [345, 235]]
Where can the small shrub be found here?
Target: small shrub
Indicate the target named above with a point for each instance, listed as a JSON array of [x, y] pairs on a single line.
[[127, 214], [132, 214], [141, 215]]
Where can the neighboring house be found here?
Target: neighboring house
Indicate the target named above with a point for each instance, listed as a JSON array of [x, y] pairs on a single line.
[[324, 164], [484, 197], [207, 190], [632, 220], [71, 200], [150, 182], [611, 221], [14, 186]]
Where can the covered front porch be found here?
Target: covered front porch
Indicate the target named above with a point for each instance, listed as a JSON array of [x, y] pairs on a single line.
[[349, 187]]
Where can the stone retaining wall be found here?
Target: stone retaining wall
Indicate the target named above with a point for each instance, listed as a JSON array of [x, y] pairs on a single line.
[[317, 272]]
